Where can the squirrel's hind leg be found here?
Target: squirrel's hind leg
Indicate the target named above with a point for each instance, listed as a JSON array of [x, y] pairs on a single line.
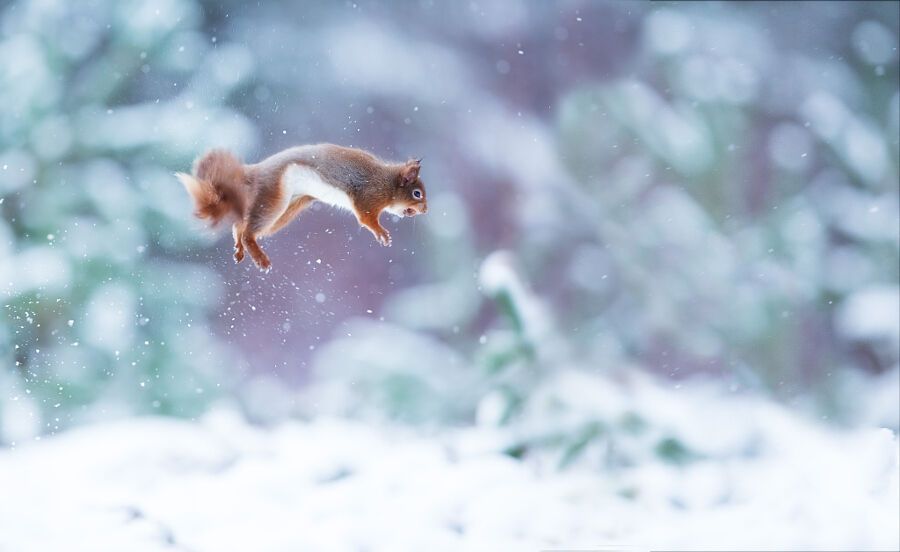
[[237, 230], [256, 253], [294, 208], [268, 206]]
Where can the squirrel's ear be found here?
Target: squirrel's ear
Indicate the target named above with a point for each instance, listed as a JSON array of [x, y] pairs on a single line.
[[410, 172]]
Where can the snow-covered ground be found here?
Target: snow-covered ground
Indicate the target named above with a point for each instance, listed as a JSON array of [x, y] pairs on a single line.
[[219, 484]]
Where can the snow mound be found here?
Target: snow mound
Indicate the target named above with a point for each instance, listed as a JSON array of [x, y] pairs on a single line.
[[219, 484]]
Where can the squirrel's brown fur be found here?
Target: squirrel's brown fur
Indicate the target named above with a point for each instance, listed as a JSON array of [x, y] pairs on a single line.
[[218, 186], [260, 199]]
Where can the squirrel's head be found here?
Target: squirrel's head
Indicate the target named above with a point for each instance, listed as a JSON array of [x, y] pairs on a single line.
[[409, 194]]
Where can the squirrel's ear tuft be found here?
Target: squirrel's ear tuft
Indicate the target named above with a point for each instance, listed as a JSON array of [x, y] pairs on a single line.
[[410, 172]]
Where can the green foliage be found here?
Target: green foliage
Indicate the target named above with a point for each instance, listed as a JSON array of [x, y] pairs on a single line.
[[100, 303], [575, 444], [673, 451], [726, 216], [667, 203]]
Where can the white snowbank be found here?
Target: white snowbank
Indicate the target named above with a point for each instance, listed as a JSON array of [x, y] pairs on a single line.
[[219, 484]]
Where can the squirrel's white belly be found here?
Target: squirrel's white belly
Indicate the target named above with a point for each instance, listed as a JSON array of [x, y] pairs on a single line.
[[302, 180]]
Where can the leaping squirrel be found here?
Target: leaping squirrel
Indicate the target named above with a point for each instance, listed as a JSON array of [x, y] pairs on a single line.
[[264, 197]]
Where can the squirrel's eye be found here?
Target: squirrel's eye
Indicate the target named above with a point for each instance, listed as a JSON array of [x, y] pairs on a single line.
[[417, 194]]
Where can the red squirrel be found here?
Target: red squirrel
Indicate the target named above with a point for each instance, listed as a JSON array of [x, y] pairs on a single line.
[[264, 197]]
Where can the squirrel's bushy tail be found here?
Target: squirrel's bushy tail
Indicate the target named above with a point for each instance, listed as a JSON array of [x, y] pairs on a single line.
[[218, 185]]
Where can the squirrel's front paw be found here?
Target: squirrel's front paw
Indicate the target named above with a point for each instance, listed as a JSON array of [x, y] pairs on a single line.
[[238, 254], [384, 238]]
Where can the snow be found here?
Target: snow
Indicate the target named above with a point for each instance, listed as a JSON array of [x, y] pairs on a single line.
[[874, 43], [871, 313], [498, 276], [333, 484]]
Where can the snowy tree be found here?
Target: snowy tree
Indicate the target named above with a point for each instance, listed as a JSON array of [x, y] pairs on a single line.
[[102, 299]]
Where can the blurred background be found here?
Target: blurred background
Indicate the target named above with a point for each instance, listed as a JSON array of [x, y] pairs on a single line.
[[617, 190]]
